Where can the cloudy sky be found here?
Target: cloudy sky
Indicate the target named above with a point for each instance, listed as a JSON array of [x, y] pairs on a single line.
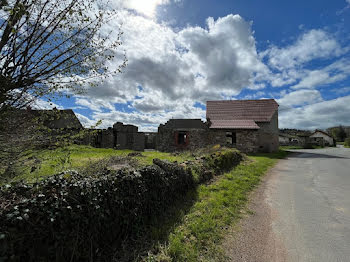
[[182, 53]]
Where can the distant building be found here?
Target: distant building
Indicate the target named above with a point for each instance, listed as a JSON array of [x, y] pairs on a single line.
[[285, 139], [328, 139]]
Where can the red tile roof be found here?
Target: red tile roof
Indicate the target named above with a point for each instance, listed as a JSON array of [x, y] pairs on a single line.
[[234, 124], [256, 110]]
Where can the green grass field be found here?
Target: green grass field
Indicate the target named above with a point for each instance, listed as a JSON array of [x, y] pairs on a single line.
[[218, 206], [49, 162]]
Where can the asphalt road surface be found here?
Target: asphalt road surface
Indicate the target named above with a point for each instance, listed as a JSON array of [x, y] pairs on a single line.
[[310, 197], [301, 212]]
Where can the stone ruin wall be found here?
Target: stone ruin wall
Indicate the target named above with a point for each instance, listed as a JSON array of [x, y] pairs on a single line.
[[247, 140], [119, 137]]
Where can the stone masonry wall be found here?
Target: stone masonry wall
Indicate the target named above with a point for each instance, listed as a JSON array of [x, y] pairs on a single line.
[[247, 140], [268, 135], [166, 139], [120, 136]]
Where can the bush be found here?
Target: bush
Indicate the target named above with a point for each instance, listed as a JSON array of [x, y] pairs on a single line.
[[347, 142], [70, 217], [215, 164]]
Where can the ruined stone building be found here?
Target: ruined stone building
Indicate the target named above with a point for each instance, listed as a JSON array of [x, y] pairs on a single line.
[[248, 125], [120, 137], [37, 128], [181, 134]]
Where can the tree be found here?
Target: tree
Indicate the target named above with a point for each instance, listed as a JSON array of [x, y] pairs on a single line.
[[341, 134], [47, 46]]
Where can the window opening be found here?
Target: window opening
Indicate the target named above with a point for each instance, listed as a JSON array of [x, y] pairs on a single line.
[[181, 138], [231, 138]]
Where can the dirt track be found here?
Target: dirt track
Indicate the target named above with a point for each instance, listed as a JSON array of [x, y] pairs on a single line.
[[253, 239]]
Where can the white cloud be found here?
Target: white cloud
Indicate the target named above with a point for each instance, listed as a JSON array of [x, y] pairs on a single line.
[[144, 7], [290, 64], [146, 121], [314, 44], [300, 98], [225, 53], [333, 73], [341, 90], [85, 121], [42, 104], [169, 71], [319, 115]]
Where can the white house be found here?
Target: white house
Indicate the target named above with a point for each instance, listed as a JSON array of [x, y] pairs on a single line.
[[328, 140]]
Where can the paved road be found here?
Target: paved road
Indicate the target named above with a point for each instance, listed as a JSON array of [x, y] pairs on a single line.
[[309, 197]]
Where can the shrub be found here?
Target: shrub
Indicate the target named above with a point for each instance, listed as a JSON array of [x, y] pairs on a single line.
[[216, 163], [70, 217], [347, 142]]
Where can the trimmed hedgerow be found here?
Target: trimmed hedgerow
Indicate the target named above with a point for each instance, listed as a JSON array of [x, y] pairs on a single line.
[[70, 217]]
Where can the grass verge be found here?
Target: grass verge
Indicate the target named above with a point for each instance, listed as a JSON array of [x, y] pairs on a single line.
[[290, 147], [218, 205], [43, 163], [299, 147]]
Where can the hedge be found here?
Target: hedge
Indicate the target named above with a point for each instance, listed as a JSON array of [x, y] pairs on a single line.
[[347, 142], [70, 217]]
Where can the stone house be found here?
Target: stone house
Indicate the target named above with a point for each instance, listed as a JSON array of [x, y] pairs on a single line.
[[328, 139], [249, 125]]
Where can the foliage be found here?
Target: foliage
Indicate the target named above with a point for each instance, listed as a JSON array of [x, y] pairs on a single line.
[[347, 142], [74, 217], [50, 45], [23, 132], [219, 205], [339, 133]]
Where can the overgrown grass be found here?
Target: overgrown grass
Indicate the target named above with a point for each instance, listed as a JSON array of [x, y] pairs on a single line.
[[43, 163], [218, 205], [299, 147], [290, 147]]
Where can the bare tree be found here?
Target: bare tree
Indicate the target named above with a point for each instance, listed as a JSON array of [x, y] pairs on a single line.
[[47, 46]]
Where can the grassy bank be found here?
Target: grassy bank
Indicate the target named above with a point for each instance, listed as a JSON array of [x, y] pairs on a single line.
[[43, 163], [217, 206], [299, 147], [290, 147]]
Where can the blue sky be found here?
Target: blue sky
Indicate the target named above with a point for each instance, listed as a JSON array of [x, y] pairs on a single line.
[[182, 53]]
